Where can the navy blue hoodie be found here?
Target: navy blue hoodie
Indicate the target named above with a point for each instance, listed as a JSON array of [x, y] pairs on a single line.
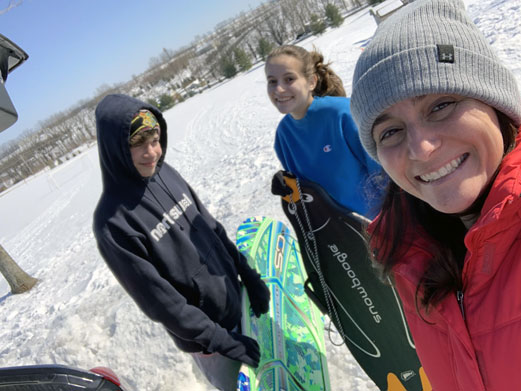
[[161, 243]]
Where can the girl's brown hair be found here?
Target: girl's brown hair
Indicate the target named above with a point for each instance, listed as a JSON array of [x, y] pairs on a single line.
[[328, 82]]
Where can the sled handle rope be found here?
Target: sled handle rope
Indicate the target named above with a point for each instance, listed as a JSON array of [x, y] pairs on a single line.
[[313, 254]]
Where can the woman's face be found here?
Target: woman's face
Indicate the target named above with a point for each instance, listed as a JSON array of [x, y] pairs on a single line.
[[443, 149], [288, 88]]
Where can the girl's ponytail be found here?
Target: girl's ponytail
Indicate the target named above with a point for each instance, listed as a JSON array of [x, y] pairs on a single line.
[[328, 82]]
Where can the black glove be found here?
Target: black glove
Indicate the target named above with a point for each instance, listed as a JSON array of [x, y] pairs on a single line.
[[278, 184], [243, 349], [259, 295]]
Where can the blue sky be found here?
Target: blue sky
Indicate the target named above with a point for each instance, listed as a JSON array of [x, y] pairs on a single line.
[[76, 46]]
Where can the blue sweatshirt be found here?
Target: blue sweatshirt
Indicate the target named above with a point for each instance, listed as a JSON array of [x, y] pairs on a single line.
[[324, 147], [167, 251]]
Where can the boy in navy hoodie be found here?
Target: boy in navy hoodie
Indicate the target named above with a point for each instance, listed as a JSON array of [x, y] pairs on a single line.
[[167, 251]]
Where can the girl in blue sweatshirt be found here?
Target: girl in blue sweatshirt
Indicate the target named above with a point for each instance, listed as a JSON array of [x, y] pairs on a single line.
[[317, 139]]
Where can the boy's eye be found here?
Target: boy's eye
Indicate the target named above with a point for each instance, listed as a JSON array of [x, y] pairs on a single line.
[[136, 142]]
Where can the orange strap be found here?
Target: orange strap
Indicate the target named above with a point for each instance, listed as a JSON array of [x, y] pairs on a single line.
[[394, 384], [292, 183]]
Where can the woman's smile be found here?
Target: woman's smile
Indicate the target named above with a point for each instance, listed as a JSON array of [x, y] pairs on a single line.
[[447, 169]]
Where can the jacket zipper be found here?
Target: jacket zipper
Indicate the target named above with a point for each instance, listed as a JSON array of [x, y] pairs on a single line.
[[459, 297]]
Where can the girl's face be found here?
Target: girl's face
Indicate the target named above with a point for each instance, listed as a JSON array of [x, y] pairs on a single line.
[[442, 149], [289, 90]]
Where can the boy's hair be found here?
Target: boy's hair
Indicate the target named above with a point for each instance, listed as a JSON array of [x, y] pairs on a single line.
[[143, 126], [142, 136], [328, 82]]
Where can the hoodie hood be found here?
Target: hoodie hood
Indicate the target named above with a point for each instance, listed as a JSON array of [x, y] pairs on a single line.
[[113, 116]]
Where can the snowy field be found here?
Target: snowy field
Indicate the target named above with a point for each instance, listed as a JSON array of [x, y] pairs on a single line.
[[221, 142]]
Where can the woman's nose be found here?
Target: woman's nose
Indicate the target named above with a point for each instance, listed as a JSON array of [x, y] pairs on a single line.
[[422, 142]]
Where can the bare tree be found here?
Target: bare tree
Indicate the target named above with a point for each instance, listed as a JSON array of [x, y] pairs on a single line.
[[18, 280], [275, 25], [10, 6], [292, 14], [345, 5]]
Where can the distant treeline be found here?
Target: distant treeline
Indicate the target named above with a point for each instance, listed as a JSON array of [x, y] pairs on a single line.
[[173, 76]]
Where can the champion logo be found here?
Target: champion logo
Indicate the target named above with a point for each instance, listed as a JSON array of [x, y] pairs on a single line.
[[327, 148], [407, 375]]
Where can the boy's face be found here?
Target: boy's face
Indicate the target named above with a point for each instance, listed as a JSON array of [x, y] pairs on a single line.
[[145, 150]]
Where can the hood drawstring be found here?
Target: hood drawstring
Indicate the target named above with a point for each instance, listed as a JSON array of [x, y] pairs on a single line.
[[167, 190], [162, 206]]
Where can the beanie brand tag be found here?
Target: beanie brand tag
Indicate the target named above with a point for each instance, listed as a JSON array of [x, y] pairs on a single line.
[[445, 53]]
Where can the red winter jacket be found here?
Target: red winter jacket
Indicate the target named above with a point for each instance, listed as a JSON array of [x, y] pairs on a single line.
[[482, 352]]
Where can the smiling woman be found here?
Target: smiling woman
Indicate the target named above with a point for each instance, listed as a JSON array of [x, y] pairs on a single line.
[[440, 112], [442, 149]]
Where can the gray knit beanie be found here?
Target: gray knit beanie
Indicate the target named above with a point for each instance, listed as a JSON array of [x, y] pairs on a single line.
[[428, 47]]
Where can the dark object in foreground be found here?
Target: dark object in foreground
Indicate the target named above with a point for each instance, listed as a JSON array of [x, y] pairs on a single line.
[[58, 378]]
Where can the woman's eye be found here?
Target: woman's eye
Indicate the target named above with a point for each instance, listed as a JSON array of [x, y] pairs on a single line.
[[272, 82], [289, 79], [388, 136], [387, 133], [441, 106], [442, 109]]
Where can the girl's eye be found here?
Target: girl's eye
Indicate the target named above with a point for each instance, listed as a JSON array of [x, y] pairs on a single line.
[[272, 82], [289, 79]]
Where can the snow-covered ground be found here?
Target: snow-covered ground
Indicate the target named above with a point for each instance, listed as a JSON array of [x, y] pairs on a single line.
[[221, 142]]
